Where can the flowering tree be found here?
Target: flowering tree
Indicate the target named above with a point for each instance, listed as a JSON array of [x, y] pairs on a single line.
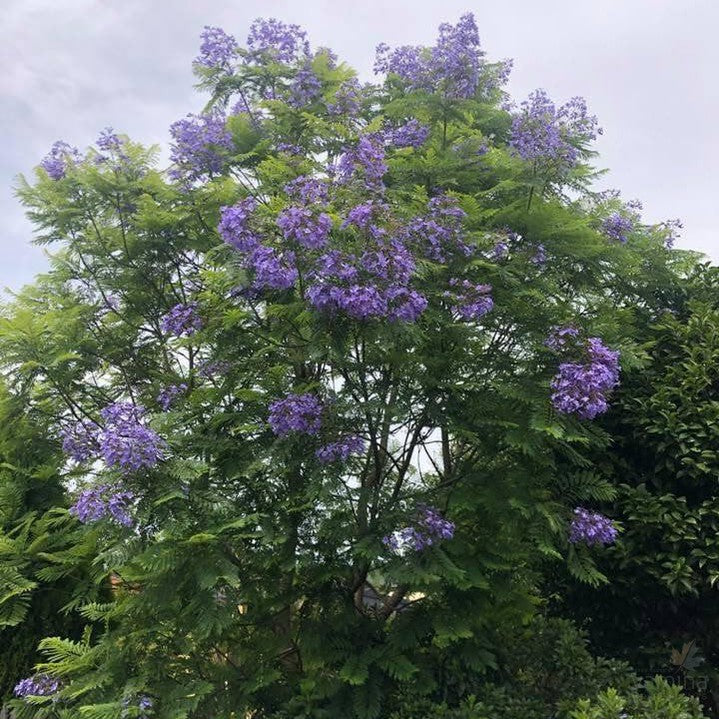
[[316, 381]]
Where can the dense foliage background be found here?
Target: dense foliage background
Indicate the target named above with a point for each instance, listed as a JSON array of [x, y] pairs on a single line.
[[315, 422]]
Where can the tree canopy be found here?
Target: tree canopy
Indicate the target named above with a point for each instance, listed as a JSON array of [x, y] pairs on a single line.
[[326, 388]]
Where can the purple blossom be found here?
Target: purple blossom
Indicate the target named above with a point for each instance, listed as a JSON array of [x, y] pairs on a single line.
[[273, 269], [539, 257], [211, 368], [296, 413], [617, 227], [347, 99], [469, 301], [456, 58], [40, 685], [104, 501], [540, 132], [169, 394], [60, 158], [672, 231], [341, 450], [125, 441], [361, 215], [181, 320], [392, 262], [362, 301], [305, 88], [336, 264], [429, 528], [274, 40], [561, 337], [234, 227], [451, 67], [373, 285], [411, 134], [405, 305], [440, 233], [217, 48], [201, 145], [79, 440], [290, 148], [308, 190], [109, 141], [500, 251], [581, 387], [499, 73], [365, 161], [591, 528], [301, 225]]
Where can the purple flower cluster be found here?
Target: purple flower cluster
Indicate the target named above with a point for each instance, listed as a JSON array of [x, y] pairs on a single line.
[[672, 231], [541, 132], [201, 145], [61, 157], [429, 528], [217, 49], [234, 227], [439, 234], [562, 337], [143, 703], [290, 148], [300, 224], [104, 501], [276, 41], [375, 284], [361, 216], [41, 685], [617, 227], [181, 320], [296, 414], [581, 387], [365, 161], [469, 301], [110, 143], [308, 190], [500, 251], [169, 394], [125, 441], [451, 67], [591, 528], [412, 134], [341, 450], [305, 88], [211, 368], [79, 440], [273, 269], [539, 257], [347, 99]]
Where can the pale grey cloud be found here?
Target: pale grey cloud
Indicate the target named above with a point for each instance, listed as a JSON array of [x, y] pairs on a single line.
[[646, 67]]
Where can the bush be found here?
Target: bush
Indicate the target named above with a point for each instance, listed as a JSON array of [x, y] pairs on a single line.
[[658, 700], [542, 671]]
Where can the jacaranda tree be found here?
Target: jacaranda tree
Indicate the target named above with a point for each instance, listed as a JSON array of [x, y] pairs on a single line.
[[325, 385]]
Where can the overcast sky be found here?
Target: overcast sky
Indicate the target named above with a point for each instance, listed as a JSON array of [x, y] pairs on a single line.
[[647, 68]]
